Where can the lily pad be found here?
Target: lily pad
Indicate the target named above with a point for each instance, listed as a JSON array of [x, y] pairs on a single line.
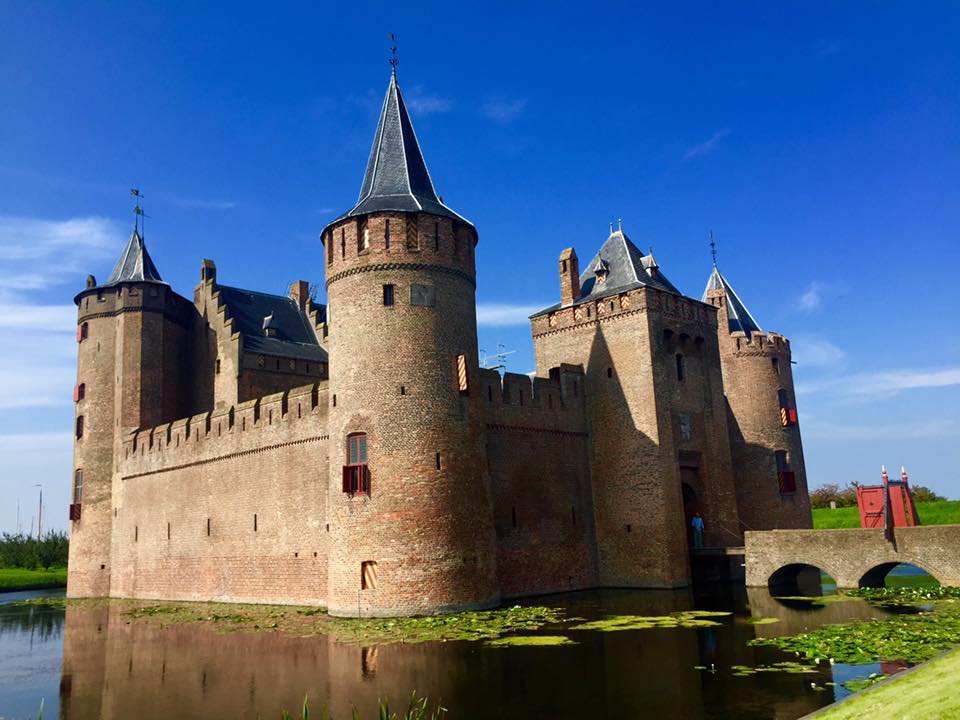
[[531, 641]]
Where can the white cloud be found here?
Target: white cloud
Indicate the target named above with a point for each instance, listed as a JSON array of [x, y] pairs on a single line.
[[812, 298], [499, 314], [37, 352], [706, 146], [816, 352], [32, 239], [504, 111], [200, 204], [58, 318], [423, 104], [882, 431], [37, 253], [882, 384]]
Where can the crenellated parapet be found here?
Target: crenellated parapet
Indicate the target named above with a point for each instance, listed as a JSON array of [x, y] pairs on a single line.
[[523, 403], [296, 415], [624, 305]]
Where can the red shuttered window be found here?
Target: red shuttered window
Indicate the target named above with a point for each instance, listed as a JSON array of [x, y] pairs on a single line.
[[356, 474]]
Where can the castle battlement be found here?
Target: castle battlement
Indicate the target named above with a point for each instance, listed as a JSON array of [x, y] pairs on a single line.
[[262, 422], [522, 402], [761, 342]]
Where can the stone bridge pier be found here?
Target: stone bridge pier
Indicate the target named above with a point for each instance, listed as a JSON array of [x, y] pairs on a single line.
[[853, 557]]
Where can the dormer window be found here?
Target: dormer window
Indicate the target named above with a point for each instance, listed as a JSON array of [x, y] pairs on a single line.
[[601, 271], [270, 326]]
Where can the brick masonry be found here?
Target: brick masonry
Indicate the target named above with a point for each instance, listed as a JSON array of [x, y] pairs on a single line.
[[213, 473], [854, 557]]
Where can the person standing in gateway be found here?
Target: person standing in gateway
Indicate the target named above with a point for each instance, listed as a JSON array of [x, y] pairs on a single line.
[[697, 524]]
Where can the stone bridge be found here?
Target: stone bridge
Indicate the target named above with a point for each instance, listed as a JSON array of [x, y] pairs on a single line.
[[853, 557]]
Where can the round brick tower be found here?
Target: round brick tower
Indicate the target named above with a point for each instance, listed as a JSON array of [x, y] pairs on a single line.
[[410, 519], [128, 331], [767, 452]]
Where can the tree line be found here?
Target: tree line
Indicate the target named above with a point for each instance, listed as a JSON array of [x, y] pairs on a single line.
[[846, 496], [24, 551]]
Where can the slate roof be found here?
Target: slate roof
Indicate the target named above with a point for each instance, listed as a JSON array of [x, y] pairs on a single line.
[[397, 178], [740, 319], [626, 267], [295, 337], [135, 264]]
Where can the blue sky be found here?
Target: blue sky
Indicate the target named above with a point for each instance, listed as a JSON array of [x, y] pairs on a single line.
[[820, 143]]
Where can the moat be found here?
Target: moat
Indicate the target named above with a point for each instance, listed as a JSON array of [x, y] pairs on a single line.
[[88, 662]]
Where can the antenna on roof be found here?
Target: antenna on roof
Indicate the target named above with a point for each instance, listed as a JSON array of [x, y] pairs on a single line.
[[394, 60], [497, 360], [713, 249]]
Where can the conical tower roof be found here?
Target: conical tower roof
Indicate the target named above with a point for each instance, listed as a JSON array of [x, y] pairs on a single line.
[[740, 319], [135, 264], [397, 178]]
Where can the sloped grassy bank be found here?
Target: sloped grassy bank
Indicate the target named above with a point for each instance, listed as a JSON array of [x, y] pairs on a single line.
[[927, 692]]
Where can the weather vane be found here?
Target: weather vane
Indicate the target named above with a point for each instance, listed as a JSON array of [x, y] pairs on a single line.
[[394, 60], [713, 248], [138, 214]]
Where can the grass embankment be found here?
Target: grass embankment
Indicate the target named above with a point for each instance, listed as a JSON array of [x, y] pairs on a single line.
[[12, 579], [944, 512], [929, 692]]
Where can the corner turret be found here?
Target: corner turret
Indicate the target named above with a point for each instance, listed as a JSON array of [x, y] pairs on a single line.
[[132, 336], [764, 429]]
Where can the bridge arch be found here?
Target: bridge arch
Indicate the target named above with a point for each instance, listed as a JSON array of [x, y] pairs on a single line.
[[797, 578], [876, 576]]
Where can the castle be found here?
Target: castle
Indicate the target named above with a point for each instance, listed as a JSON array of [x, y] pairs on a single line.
[[249, 447]]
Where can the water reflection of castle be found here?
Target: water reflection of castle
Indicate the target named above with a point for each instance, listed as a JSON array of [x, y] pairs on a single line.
[[113, 668]]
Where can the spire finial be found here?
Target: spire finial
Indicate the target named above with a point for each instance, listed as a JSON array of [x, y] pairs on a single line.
[[620, 225], [713, 249], [394, 60], [137, 212], [611, 228]]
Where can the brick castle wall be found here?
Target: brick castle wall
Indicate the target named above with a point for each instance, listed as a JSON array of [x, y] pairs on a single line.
[[538, 454], [228, 505]]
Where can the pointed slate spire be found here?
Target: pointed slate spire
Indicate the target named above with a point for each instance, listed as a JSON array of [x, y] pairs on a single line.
[[134, 264], [740, 319], [397, 178]]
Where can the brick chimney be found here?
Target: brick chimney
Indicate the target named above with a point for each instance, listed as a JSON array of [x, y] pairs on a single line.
[[300, 292], [569, 276]]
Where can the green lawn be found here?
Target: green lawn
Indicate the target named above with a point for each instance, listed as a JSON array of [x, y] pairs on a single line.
[[946, 512], [927, 693], [20, 579]]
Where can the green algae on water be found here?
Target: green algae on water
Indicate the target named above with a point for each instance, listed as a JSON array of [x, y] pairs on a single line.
[[761, 620], [686, 619], [531, 641]]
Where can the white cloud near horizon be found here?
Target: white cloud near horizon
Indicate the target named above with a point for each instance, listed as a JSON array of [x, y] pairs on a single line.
[[503, 110], [881, 384], [708, 145], [919, 430], [503, 314]]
